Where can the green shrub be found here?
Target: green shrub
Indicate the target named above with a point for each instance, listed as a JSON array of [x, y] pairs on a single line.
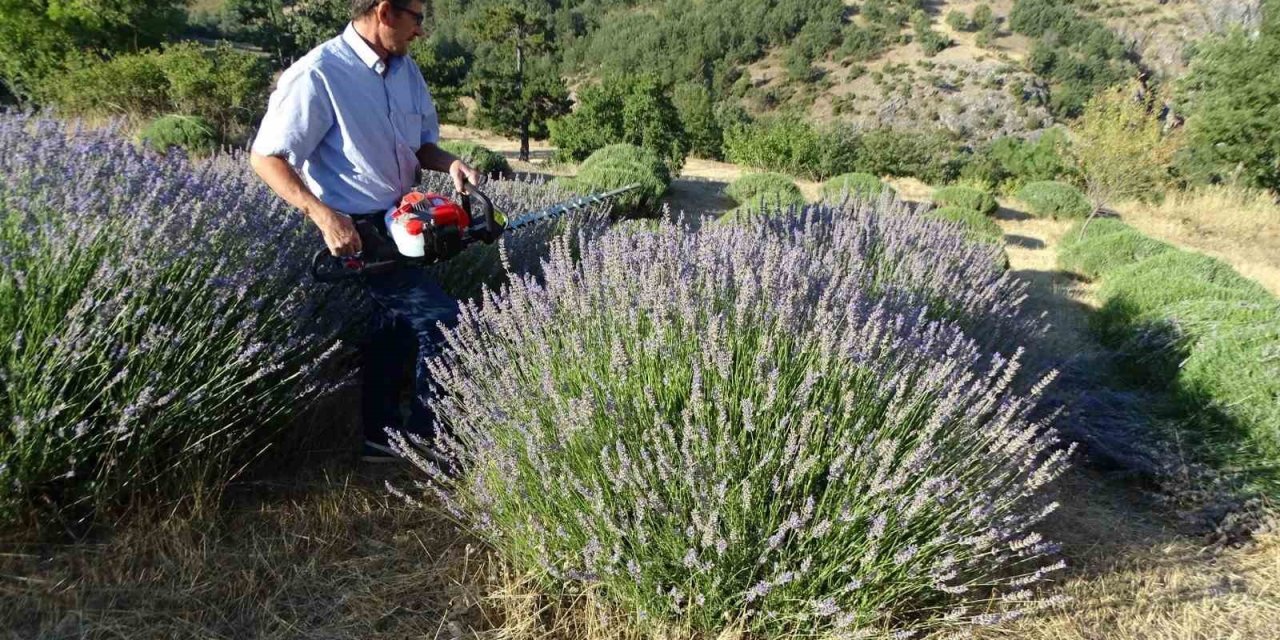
[[131, 84], [481, 158], [755, 192], [1232, 368], [752, 185], [226, 87], [1049, 199], [190, 133], [932, 156], [853, 184], [1105, 246], [1011, 162], [958, 21], [859, 43], [983, 17], [931, 42], [967, 198], [787, 143], [617, 166], [1138, 294], [978, 226]]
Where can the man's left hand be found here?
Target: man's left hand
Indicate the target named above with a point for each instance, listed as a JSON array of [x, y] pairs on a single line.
[[462, 174]]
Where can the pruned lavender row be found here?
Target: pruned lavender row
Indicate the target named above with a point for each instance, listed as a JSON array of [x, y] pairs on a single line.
[[759, 425], [153, 325], [891, 247]]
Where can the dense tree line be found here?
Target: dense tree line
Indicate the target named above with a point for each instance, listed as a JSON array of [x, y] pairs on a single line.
[[685, 62]]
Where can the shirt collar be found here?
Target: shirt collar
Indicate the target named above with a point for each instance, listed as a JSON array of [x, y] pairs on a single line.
[[362, 49]]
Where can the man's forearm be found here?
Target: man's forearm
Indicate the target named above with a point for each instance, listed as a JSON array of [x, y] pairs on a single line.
[[433, 158], [280, 176]]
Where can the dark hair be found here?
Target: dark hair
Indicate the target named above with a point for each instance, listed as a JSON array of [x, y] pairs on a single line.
[[360, 8]]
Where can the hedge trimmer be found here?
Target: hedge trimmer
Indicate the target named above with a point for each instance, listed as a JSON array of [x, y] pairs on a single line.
[[427, 228]]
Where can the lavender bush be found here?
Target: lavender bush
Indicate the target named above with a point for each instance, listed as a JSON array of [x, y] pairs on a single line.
[[156, 317], [751, 425], [890, 246]]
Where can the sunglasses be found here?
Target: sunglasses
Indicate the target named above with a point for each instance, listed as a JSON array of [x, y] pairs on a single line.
[[417, 17]]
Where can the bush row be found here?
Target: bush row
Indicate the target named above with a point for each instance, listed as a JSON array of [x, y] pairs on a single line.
[[1190, 323]]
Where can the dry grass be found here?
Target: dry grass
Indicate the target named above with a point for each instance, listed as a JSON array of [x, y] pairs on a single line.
[[1239, 226], [333, 557], [1137, 573]]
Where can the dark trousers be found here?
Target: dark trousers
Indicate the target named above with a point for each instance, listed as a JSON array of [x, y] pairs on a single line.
[[404, 332]]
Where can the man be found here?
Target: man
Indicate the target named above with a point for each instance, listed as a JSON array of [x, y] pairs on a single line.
[[346, 132]]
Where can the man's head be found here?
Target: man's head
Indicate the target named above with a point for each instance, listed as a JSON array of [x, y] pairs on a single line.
[[389, 24]]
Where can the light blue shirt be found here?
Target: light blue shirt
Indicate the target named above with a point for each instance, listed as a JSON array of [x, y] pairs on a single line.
[[350, 124]]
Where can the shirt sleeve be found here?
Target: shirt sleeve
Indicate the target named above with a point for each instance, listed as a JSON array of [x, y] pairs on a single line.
[[299, 114]]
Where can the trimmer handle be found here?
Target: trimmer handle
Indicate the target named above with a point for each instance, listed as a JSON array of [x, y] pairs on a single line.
[[487, 223], [325, 267]]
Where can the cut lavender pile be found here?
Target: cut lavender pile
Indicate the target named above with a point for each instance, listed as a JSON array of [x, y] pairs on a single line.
[[784, 426]]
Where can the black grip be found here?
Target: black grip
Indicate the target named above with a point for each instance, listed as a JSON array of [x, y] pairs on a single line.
[[486, 224]]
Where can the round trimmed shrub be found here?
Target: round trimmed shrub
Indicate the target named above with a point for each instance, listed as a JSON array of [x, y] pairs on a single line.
[[619, 165], [481, 158], [1050, 199], [193, 134], [1105, 245], [1134, 298], [756, 193], [853, 184], [976, 225], [967, 198]]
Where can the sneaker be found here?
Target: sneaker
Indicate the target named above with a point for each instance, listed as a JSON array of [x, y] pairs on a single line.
[[377, 452]]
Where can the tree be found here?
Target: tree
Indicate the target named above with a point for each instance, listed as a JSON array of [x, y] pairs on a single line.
[[311, 22], [1231, 101], [522, 28], [37, 36], [520, 106], [698, 118], [635, 109], [1120, 146], [445, 64]]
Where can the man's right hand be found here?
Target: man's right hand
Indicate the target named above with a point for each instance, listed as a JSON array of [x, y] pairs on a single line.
[[339, 232]]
